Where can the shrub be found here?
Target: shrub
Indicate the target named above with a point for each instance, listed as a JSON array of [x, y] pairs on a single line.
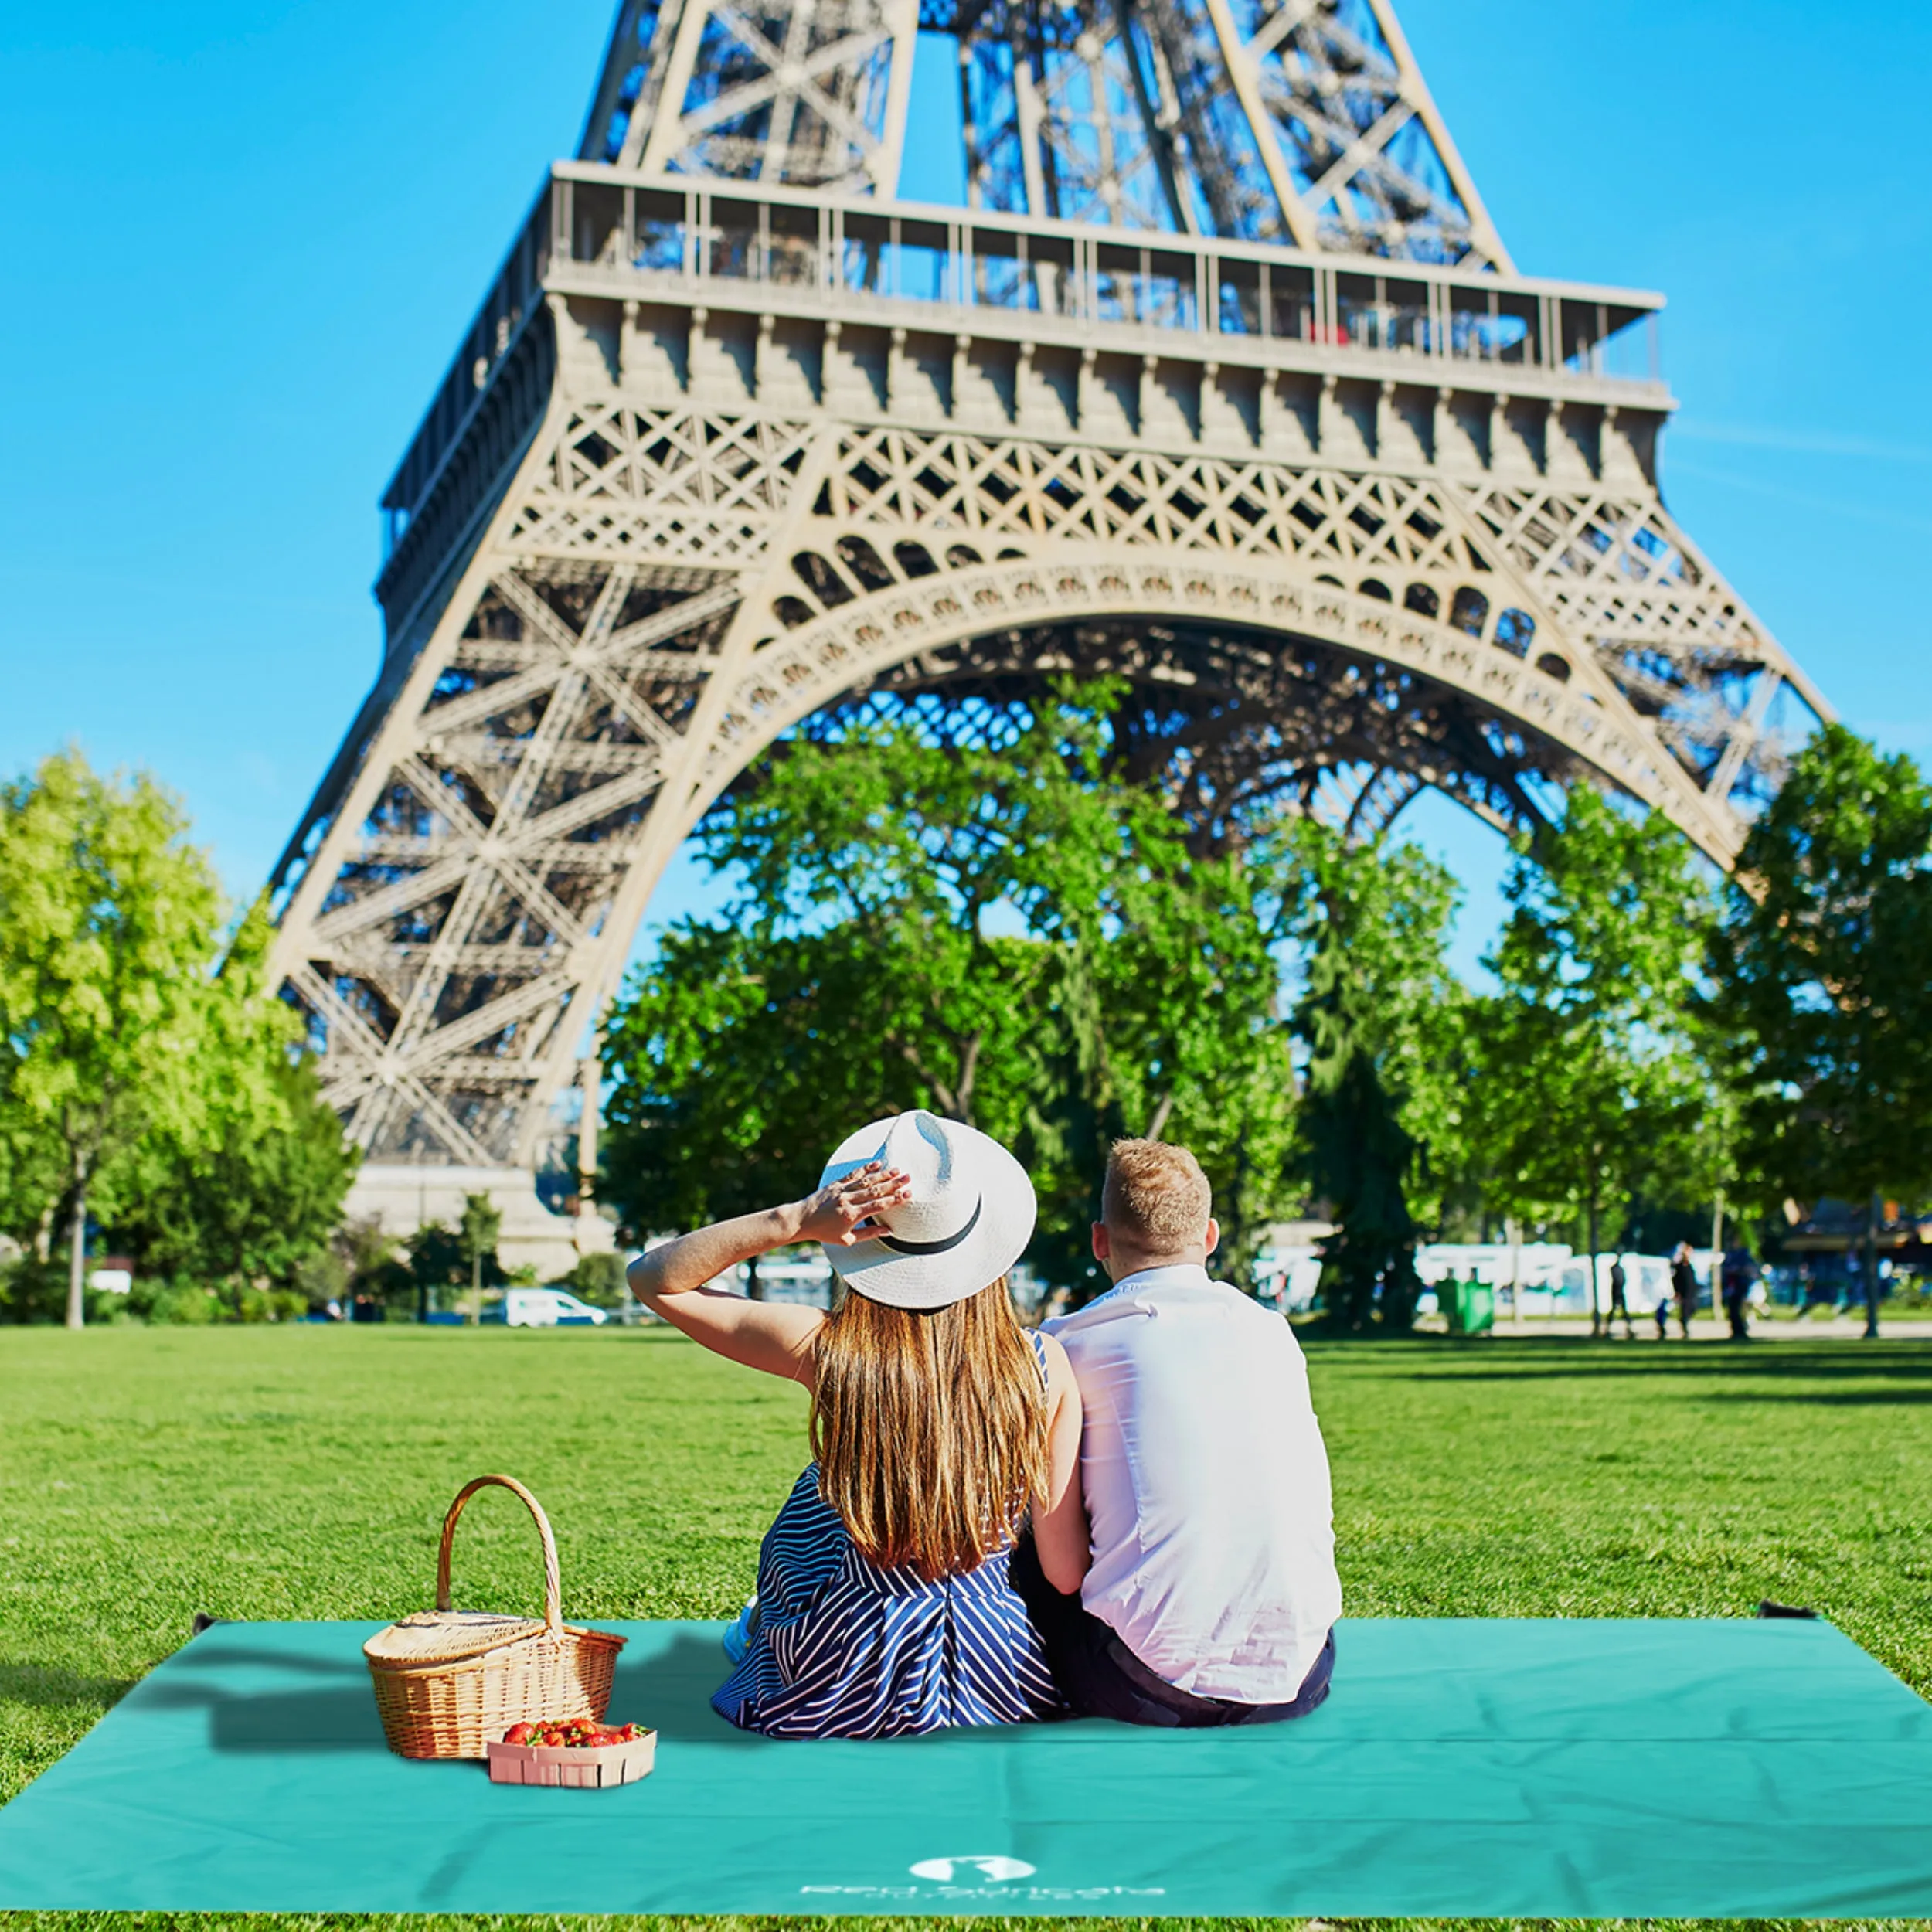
[[597, 1279], [34, 1290], [174, 1304], [253, 1305], [323, 1278]]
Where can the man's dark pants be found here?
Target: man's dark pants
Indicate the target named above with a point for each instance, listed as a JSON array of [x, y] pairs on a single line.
[[1100, 1677]]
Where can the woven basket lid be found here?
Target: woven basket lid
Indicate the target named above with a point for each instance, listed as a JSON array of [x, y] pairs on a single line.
[[447, 1637]]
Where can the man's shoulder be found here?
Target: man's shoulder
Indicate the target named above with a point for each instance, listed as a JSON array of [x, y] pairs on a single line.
[[1135, 1302]]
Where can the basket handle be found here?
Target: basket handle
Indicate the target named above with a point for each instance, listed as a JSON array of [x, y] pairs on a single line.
[[553, 1577]]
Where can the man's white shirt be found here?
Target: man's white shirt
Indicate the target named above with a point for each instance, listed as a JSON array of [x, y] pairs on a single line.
[[1206, 1482]]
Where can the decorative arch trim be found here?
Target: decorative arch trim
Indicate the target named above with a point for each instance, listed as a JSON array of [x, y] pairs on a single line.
[[793, 673]]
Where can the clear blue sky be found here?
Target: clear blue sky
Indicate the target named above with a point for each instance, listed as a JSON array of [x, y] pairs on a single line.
[[245, 239]]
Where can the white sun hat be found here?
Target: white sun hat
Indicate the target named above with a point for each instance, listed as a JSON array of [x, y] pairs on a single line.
[[969, 1220]]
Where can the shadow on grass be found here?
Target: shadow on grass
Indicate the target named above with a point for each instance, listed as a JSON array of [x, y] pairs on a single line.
[[41, 1687], [1906, 1362], [1831, 1398]]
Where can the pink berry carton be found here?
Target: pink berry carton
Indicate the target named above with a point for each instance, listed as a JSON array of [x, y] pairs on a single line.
[[592, 1768]]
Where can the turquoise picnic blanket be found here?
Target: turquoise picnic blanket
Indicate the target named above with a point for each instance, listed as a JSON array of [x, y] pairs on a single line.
[[1573, 1768]]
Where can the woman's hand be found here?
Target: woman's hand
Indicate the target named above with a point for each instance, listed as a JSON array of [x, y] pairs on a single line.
[[840, 1215]]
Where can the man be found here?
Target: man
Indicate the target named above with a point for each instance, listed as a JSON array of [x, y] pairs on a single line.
[[1619, 1281], [1683, 1281], [1211, 1593]]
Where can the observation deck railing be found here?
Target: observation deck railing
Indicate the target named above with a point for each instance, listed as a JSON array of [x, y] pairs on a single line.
[[595, 230]]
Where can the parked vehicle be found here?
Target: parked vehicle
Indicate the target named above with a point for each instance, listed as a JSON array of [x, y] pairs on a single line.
[[545, 1308]]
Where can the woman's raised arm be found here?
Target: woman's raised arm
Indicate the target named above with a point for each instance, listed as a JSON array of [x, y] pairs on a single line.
[[774, 1337]]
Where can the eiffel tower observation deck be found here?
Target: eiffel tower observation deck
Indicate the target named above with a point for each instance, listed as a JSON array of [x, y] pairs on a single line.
[[1221, 381]]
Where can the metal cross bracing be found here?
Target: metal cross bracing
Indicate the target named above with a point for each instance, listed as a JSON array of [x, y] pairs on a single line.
[[738, 445], [1300, 120], [1228, 726]]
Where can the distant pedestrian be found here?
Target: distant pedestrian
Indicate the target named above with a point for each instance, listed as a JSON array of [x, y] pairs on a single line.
[[1683, 1282], [1661, 1313], [1738, 1272], [1619, 1281]]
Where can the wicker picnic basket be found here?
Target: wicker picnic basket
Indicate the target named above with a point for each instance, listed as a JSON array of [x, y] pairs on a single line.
[[447, 1682]]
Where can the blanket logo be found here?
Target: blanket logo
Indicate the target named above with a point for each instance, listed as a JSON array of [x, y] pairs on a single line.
[[993, 1870]]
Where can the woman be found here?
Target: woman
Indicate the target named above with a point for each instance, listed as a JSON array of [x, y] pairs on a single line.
[[937, 1423]]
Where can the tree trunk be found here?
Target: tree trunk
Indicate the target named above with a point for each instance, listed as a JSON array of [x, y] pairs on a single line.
[[1158, 1125], [1236, 1238], [78, 1259], [1872, 1267], [1590, 1273], [969, 1078], [1717, 1254], [944, 1099], [476, 1285]]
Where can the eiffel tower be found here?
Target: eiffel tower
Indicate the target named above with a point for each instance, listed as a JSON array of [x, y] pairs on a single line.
[[1220, 381]]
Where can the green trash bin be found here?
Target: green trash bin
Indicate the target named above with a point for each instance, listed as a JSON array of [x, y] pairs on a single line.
[[1476, 1309], [1471, 1306]]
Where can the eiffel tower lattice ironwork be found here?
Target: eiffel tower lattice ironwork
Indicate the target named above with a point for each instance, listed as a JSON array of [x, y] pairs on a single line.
[[1221, 380]]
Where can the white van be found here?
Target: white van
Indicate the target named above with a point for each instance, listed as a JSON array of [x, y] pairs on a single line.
[[545, 1308]]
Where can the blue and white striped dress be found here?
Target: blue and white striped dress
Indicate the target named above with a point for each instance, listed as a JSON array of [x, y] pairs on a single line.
[[844, 1648]]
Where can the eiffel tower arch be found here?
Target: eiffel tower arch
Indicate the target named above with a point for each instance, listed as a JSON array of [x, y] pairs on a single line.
[[1221, 382]]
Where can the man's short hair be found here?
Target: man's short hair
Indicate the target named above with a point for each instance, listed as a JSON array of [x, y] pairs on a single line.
[[1155, 1196]]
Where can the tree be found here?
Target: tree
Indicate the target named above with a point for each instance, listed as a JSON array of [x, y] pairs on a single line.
[[375, 1273], [31, 1171], [436, 1261], [1379, 1017], [728, 1057], [247, 1198], [1823, 965], [1590, 1076], [597, 1278], [1016, 938], [149, 1077], [476, 1234], [250, 1209], [108, 921]]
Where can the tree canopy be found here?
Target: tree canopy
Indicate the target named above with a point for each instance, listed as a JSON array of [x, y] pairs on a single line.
[[1011, 932], [1823, 971], [149, 1079], [1383, 1020], [1591, 1077], [1019, 937]]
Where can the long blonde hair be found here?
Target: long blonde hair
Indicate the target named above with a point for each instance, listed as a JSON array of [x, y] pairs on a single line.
[[929, 1428]]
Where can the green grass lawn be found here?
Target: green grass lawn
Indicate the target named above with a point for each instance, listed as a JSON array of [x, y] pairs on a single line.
[[303, 1472]]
